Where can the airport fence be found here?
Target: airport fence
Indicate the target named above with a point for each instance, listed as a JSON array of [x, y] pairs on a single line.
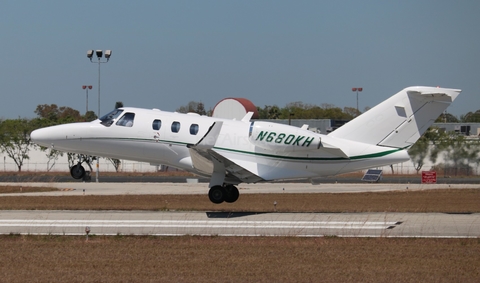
[[127, 166], [140, 167]]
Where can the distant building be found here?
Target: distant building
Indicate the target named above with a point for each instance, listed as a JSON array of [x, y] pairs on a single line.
[[323, 126], [234, 108], [467, 129]]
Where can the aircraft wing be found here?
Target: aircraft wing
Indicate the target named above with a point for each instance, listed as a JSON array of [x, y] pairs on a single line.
[[207, 161]]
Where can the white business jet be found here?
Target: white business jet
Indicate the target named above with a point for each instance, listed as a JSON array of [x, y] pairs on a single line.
[[231, 152]]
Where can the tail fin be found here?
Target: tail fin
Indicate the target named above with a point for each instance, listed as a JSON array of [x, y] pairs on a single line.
[[400, 120]]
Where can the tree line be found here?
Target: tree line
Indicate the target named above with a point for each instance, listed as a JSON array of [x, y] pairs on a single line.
[[15, 139], [293, 110], [459, 152], [300, 110]]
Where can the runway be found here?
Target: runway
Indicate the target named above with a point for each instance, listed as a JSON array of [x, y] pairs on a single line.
[[425, 225], [438, 225]]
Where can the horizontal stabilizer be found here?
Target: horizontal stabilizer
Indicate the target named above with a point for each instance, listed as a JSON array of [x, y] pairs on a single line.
[[436, 94], [247, 117], [333, 150]]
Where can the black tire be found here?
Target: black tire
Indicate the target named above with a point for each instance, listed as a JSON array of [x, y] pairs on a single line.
[[232, 193], [216, 194], [77, 171]]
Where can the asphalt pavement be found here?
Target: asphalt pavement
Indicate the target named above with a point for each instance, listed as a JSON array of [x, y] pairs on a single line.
[[161, 178], [423, 225]]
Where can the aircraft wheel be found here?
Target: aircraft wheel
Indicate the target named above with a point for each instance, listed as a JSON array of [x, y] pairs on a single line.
[[77, 171], [216, 194], [232, 193]]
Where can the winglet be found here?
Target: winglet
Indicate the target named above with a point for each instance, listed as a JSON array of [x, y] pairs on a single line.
[[210, 138]]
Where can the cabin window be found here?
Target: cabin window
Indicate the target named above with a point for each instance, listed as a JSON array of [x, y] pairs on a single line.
[[126, 120], [156, 125], [175, 127], [107, 119], [193, 129]]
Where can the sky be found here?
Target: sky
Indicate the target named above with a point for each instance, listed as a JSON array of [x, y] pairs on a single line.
[[167, 53]]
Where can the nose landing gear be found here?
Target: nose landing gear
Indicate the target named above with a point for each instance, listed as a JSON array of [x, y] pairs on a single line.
[[77, 171]]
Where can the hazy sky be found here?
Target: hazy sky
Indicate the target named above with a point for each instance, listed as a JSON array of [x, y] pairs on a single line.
[[167, 53]]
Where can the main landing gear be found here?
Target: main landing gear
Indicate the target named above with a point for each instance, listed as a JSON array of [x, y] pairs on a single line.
[[226, 193]]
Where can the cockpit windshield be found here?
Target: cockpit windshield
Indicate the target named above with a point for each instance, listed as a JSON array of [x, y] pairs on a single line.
[[107, 119], [126, 120]]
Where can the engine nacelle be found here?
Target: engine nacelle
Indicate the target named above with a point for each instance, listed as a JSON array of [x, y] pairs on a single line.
[[278, 137]]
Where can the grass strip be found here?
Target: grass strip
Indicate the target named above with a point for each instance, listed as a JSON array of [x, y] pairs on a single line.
[[237, 259], [440, 200], [21, 189]]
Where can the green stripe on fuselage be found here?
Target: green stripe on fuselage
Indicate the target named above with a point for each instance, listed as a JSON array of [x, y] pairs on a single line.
[[358, 157]]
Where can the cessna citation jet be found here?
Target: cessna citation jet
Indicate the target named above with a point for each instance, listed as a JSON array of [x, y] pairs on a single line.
[[231, 152]]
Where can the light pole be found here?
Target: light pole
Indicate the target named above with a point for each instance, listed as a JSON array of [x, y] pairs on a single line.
[[357, 89], [86, 88], [99, 54]]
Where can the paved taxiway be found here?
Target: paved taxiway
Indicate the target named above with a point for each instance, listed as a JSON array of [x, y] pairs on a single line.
[[92, 188], [235, 224]]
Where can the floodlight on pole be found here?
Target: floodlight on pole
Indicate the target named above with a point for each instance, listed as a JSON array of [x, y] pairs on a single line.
[[90, 54], [108, 53], [357, 89], [99, 54]]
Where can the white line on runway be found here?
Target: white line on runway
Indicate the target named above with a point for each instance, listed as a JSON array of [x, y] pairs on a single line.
[[199, 224]]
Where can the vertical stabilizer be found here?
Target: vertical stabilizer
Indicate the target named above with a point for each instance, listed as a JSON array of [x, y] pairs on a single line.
[[400, 120]]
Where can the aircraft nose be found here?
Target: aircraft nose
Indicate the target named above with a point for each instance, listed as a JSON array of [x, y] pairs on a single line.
[[41, 137], [50, 135], [60, 137]]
